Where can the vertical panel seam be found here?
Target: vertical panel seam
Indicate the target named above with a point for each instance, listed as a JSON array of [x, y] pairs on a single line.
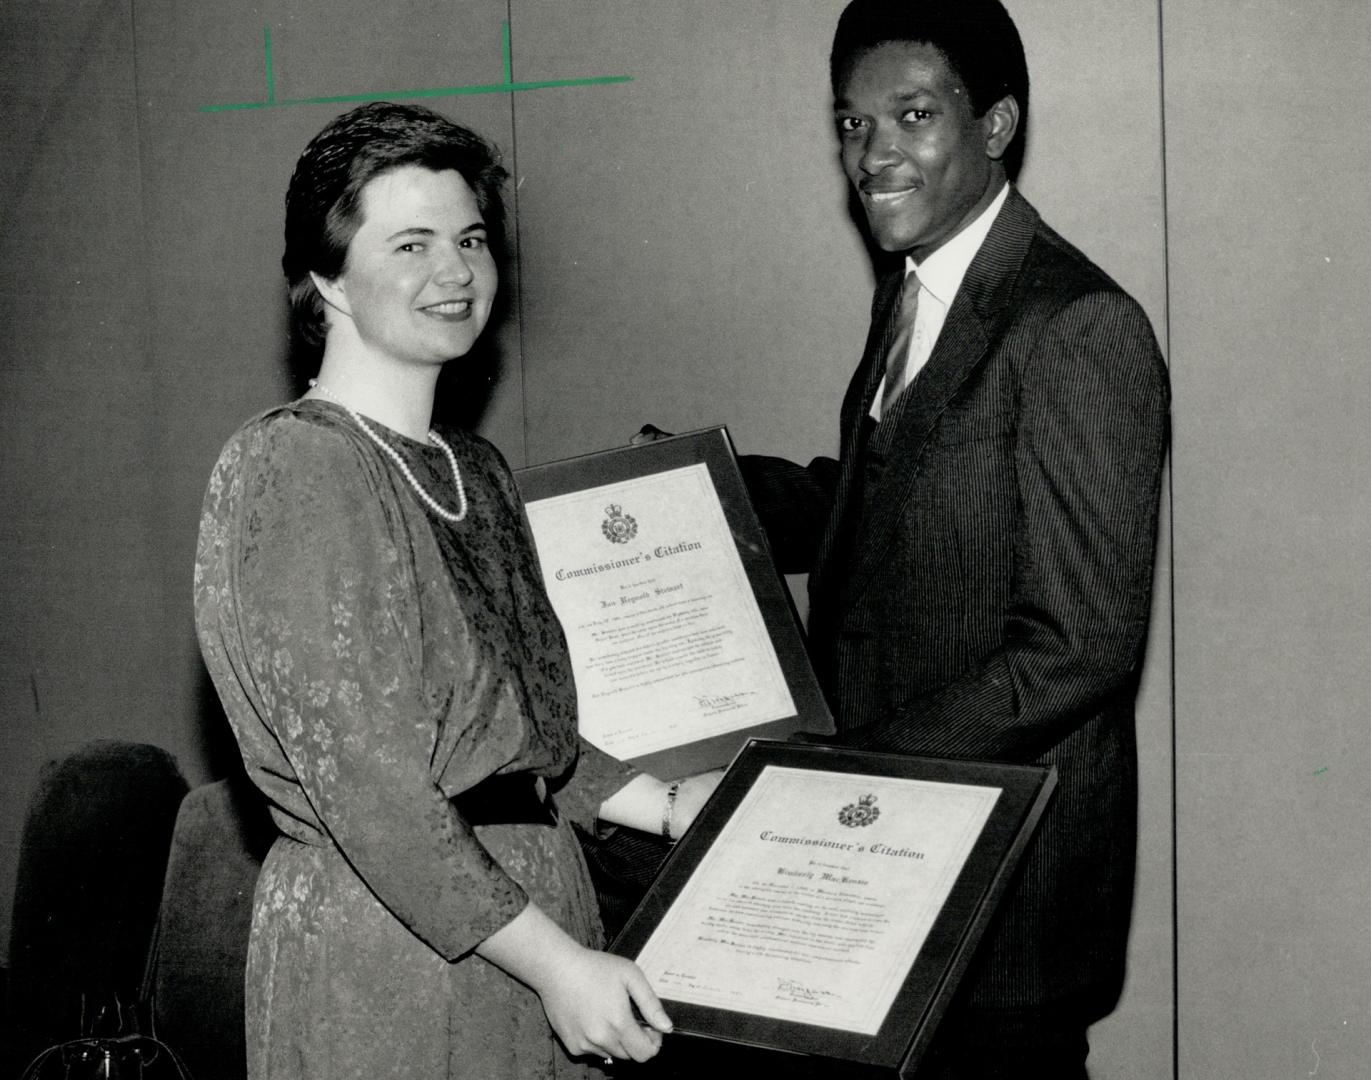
[[1171, 556], [145, 257], [517, 260]]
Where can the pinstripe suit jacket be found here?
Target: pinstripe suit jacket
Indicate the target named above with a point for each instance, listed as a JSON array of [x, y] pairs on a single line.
[[989, 598]]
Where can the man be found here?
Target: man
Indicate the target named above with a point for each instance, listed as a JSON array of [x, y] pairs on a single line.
[[981, 552]]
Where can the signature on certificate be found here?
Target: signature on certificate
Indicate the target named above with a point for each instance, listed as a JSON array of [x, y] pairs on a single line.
[[716, 703], [792, 990]]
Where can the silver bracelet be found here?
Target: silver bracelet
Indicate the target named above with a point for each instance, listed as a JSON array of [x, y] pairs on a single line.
[[670, 808]]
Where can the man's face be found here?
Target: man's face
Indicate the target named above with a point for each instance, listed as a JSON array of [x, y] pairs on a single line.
[[924, 165]]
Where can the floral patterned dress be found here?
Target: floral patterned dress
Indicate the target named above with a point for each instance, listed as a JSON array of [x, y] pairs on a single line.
[[401, 693]]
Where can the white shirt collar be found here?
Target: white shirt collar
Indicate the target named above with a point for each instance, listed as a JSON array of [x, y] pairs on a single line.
[[942, 272]]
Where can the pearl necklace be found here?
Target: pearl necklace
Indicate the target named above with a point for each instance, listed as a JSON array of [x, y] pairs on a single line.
[[393, 454]]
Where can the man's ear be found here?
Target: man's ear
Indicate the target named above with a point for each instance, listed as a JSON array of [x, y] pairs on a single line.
[[1001, 122], [332, 293]]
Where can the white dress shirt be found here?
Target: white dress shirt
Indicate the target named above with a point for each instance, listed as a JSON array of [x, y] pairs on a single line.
[[940, 276]]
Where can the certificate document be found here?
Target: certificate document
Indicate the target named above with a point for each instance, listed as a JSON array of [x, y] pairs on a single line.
[[666, 638], [817, 896], [826, 902]]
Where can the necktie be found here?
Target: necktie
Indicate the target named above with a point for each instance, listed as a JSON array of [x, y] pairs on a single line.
[[897, 359]]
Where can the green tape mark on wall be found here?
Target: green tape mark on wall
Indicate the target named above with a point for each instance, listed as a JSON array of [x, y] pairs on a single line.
[[507, 86], [271, 79]]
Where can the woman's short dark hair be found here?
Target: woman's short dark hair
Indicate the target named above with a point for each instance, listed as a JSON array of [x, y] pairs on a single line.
[[323, 201], [977, 38]]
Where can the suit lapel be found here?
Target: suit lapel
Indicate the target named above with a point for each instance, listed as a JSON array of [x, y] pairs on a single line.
[[971, 327]]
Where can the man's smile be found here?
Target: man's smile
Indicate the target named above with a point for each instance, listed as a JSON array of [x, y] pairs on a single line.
[[886, 196]]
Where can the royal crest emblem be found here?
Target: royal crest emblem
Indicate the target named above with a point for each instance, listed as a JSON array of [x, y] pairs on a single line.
[[618, 527], [863, 812]]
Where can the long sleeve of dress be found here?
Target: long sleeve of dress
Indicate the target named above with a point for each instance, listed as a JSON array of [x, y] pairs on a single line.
[[596, 778], [318, 615]]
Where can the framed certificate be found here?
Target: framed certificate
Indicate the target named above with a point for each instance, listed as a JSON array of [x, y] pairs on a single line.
[[826, 902], [683, 637]]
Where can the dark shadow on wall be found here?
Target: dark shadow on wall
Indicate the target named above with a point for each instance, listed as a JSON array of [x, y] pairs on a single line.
[[217, 747]]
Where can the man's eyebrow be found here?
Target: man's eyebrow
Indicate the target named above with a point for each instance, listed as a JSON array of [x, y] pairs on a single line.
[[905, 93], [902, 94]]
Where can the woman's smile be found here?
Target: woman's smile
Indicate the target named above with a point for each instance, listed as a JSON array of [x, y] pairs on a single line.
[[449, 310]]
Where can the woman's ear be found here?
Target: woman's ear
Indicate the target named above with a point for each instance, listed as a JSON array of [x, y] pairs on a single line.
[[332, 293]]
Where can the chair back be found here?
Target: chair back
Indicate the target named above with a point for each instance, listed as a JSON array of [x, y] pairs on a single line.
[[222, 835], [91, 862]]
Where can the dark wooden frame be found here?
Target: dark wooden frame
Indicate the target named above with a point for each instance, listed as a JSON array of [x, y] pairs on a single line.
[[932, 978], [713, 448]]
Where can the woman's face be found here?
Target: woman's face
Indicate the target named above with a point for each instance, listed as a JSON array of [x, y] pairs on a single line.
[[419, 279]]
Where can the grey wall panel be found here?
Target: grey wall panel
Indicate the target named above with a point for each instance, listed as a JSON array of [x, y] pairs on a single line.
[[81, 591], [684, 246], [1269, 205]]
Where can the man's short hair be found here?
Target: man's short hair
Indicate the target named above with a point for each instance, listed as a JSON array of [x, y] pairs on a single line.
[[977, 38]]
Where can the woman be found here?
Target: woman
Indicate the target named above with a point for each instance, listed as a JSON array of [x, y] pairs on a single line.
[[370, 609]]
